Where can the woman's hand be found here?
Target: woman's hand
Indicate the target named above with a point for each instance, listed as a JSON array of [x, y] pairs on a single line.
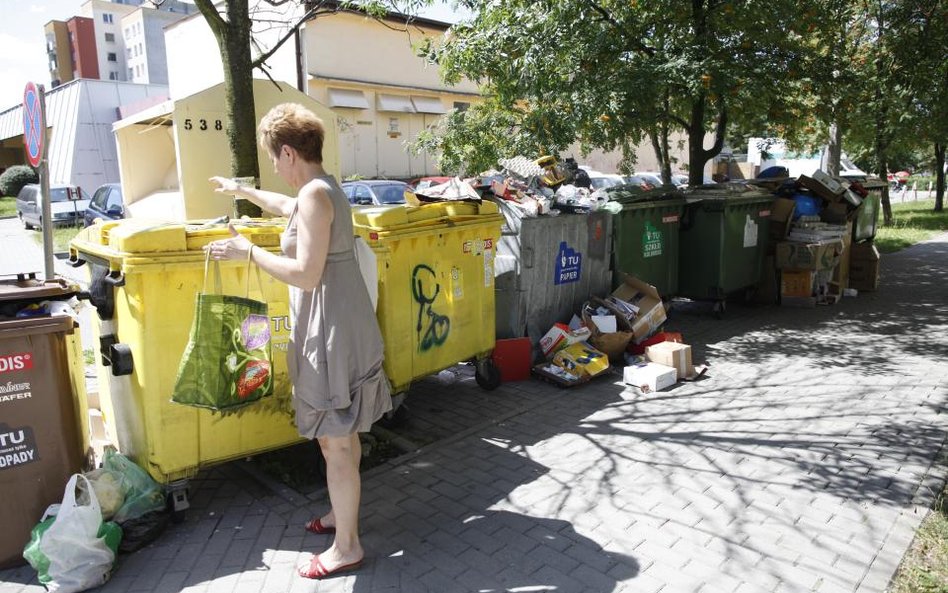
[[225, 185], [236, 247]]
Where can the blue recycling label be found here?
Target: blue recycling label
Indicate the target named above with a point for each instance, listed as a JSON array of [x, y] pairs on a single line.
[[569, 265]]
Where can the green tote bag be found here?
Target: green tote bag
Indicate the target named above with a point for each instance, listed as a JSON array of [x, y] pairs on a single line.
[[227, 361]]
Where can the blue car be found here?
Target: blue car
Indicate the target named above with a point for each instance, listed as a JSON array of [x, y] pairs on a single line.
[[107, 204]]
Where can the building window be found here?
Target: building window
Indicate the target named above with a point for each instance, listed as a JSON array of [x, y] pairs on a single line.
[[107, 18], [127, 33], [461, 106], [110, 37], [113, 75], [128, 53], [112, 57], [131, 73]]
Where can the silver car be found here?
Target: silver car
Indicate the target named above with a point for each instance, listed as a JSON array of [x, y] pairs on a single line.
[[67, 205]]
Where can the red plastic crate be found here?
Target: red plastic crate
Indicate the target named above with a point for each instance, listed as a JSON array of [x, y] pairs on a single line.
[[514, 357]]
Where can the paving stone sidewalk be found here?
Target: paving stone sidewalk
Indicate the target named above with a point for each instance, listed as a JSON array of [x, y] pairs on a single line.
[[803, 462]]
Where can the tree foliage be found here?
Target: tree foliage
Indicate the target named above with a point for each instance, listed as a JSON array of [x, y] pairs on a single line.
[[13, 179], [614, 73]]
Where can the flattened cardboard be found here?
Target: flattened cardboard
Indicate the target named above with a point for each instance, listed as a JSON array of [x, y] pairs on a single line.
[[796, 284]]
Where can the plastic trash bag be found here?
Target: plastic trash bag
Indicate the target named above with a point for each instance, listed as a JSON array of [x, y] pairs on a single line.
[[142, 493], [107, 485], [73, 550]]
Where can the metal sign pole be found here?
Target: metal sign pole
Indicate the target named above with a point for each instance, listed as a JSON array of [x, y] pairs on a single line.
[[35, 143], [47, 216]]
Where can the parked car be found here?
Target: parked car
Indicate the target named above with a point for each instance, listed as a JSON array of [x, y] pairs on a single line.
[[67, 204], [652, 177], [599, 180], [375, 191], [638, 180], [107, 204], [424, 182]]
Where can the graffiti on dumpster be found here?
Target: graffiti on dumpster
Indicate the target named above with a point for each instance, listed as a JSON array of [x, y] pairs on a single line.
[[17, 446], [569, 265], [432, 329]]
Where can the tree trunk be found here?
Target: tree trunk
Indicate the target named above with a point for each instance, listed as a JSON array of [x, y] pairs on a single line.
[[882, 110], [697, 155], [238, 86], [834, 149], [939, 177]]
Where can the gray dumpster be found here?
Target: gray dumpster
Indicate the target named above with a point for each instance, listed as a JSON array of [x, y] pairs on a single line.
[[546, 268]]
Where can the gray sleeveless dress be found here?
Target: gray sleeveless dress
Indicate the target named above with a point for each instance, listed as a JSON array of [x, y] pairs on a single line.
[[335, 351]]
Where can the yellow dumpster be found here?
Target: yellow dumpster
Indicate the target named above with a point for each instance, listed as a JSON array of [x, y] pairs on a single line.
[[143, 278], [436, 286]]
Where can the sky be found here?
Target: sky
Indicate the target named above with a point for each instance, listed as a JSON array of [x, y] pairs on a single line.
[[23, 43]]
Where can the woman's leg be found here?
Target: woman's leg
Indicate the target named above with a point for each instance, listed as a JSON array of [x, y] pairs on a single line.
[[344, 484], [329, 519]]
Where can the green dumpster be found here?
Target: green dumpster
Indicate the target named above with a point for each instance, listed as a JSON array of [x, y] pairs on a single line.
[[723, 236], [867, 214], [645, 236]]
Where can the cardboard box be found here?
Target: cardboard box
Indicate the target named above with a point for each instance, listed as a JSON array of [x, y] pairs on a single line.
[[840, 280], [651, 309], [796, 283], [560, 336], [675, 355], [781, 216], [809, 256], [864, 264], [581, 359], [650, 376], [823, 185]]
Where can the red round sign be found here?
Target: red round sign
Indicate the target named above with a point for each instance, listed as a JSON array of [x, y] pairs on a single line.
[[34, 128]]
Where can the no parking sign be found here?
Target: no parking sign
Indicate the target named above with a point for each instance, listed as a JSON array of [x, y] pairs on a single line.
[[34, 126]]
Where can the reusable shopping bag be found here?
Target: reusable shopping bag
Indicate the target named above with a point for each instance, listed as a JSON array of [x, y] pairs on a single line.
[[71, 548], [227, 360]]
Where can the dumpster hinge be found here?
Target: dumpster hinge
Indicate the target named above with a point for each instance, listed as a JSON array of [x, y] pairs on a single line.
[[116, 355]]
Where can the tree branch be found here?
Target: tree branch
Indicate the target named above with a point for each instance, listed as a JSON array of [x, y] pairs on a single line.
[[214, 19], [312, 13], [607, 16]]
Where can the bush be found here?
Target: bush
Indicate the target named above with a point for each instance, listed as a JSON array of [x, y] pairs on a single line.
[[14, 178]]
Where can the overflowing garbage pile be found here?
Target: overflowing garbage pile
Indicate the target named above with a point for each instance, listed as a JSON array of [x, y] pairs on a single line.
[[814, 259], [540, 187]]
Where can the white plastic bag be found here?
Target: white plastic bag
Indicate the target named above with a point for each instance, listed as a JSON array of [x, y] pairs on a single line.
[[78, 559]]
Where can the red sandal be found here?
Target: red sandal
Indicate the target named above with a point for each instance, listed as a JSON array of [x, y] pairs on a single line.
[[318, 570], [316, 526]]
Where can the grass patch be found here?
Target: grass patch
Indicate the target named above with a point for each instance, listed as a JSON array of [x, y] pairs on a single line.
[[924, 568], [88, 356], [7, 207], [61, 237], [913, 222]]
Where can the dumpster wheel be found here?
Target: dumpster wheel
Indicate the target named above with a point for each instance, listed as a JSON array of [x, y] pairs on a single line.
[[487, 374]]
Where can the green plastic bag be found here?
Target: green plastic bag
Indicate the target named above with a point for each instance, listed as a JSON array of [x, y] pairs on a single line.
[[143, 495], [71, 548], [110, 531], [227, 361]]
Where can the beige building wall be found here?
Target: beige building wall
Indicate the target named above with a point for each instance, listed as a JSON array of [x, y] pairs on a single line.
[[383, 94]]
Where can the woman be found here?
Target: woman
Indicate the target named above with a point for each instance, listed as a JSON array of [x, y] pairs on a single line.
[[335, 350]]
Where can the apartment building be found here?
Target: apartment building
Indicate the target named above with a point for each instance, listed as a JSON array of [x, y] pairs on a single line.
[[121, 40]]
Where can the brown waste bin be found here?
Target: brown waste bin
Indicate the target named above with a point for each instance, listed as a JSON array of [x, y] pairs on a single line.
[[42, 394]]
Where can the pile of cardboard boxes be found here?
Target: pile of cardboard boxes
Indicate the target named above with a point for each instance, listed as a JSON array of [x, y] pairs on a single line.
[[621, 328], [813, 260]]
